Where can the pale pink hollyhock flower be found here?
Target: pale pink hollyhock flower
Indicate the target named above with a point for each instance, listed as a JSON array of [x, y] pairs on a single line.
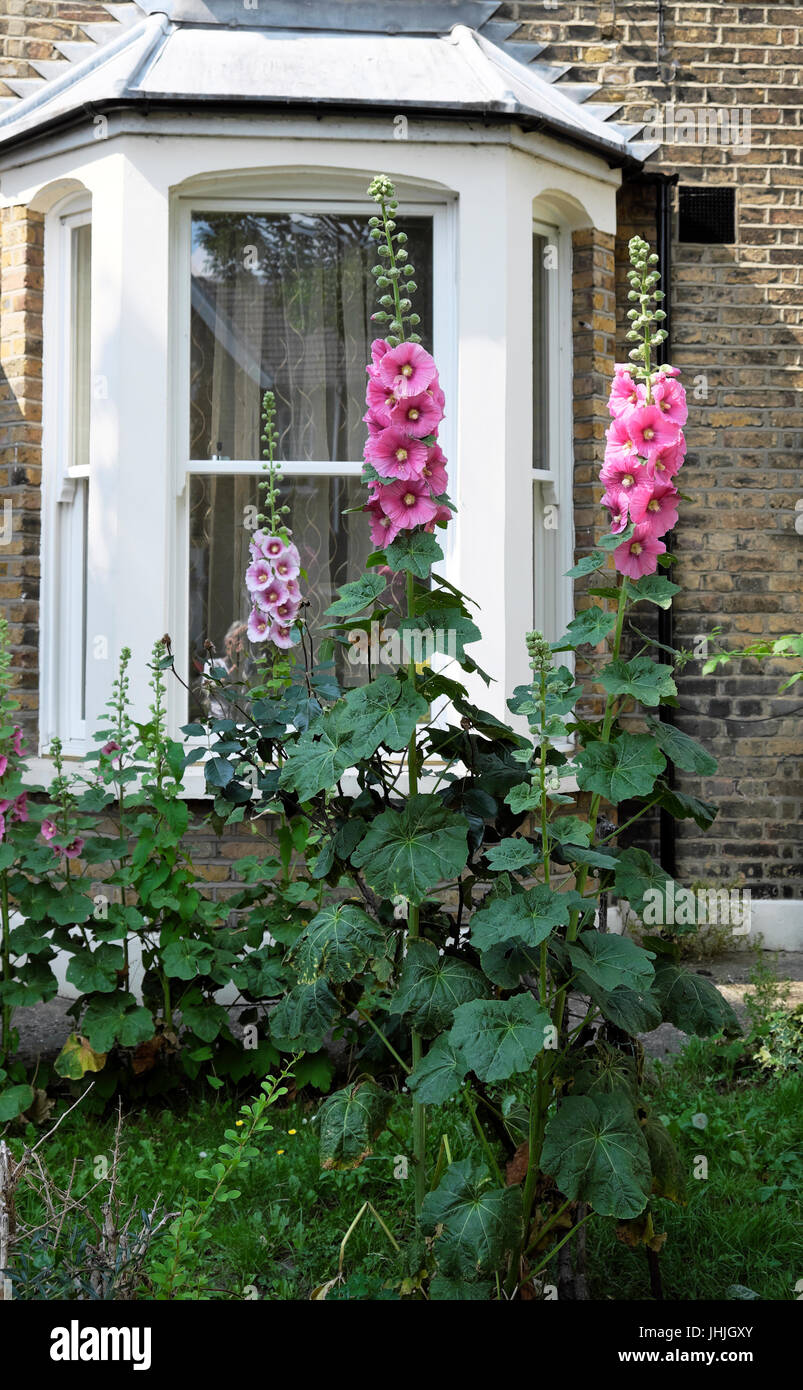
[[285, 613], [16, 742], [258, 576], [670, 399], [408, 369], [73, 849], [655, 506], [409, 503], [619, 447], [280, 636], [639, 555], [288, 564], [616, 500], [669, 461], [418, 415], [649, 430], [626, 475], [271, 597], [395, 454], [47, 829], [384, 529], [258, 626], [293, 590], [257, 545], [625, 393]]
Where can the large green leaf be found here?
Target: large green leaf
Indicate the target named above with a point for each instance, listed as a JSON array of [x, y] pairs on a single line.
[[116, 1018], [96, 970], [31, 983], [637, 874], [512, 853], [186, 958], [385, 712], [590, 627], [445, 630], [525, 919], [627, 767], [632, 1010], [414, 552], [411, 851], [301, 1020], [431, 987], [646, 680], [692, 1003], [654, 587], [321, 755], [596, 1153], [684, 807], [681, 750], [356, 596], [14, 1100], [500, 1037], [349, 1121], [337, 944], [476, 1223], [439, 1074], [608, 960]]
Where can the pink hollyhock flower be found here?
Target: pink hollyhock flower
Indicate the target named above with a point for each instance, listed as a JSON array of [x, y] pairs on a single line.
[[668, 461], [619, 447], [384, 529], [408, 369], [258, 576], [434, 471], [378, 349], [280, 636], [625, 476], [16, 742], [271, 597], [409, 503], [639, 555], [293, 590], [48, 829], [288, 564], [258, 626], [418, 415], [649, 430], [670, 399], [625, 393], [19, 811], [73, 849], [617, 503], [257, 545], [655, 506], [375, 423], [380, 400], [3, 764], [285, 613], [442, 514], [395, 454], [110, 747]]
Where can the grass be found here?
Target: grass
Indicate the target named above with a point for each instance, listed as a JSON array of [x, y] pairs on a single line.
[[281, 1237]]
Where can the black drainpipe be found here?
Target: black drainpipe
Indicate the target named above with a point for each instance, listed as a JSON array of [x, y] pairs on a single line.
[[666, 622]]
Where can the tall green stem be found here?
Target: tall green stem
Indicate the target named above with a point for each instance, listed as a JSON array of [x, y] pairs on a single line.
[[419, 1111], [5, 965]]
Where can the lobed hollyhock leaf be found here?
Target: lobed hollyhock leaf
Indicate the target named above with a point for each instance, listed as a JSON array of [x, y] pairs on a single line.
[[387, 712], [357, 595], [653, 587], [596, 1152], [95, 970], [608, 960], [628, 766], [632, 1010], [499, 1038], [337, 944], [637, 874], [349, 1122], [587, 565], [320, 756], [692, 1003], [685, 807], [475, 1223], [411, 851], [414, 552], [511, 853], [646, 680], [77, 1057], [432, 986], [439, 1074], [302, 1019], [685, 752], [116, 1018], [589, 627], [14, 1101]]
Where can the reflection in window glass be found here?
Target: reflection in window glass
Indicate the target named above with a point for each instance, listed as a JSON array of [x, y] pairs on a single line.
[[282, 302]]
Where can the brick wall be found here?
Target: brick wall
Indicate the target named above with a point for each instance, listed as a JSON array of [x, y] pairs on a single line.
[[737, 323]]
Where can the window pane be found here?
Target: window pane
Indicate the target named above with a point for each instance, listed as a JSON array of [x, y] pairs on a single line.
[[333, 550], [282, 302], [80, 249], [540, 355]]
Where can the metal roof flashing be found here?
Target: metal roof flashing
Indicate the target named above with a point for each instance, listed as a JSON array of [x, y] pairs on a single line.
[[187, 51]]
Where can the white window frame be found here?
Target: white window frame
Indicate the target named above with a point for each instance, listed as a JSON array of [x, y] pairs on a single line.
[[444, 335], [551, 590], [65, 538]]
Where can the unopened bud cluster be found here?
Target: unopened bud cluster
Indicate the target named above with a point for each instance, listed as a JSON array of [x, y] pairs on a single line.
[[394, 273], [645, 320]]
